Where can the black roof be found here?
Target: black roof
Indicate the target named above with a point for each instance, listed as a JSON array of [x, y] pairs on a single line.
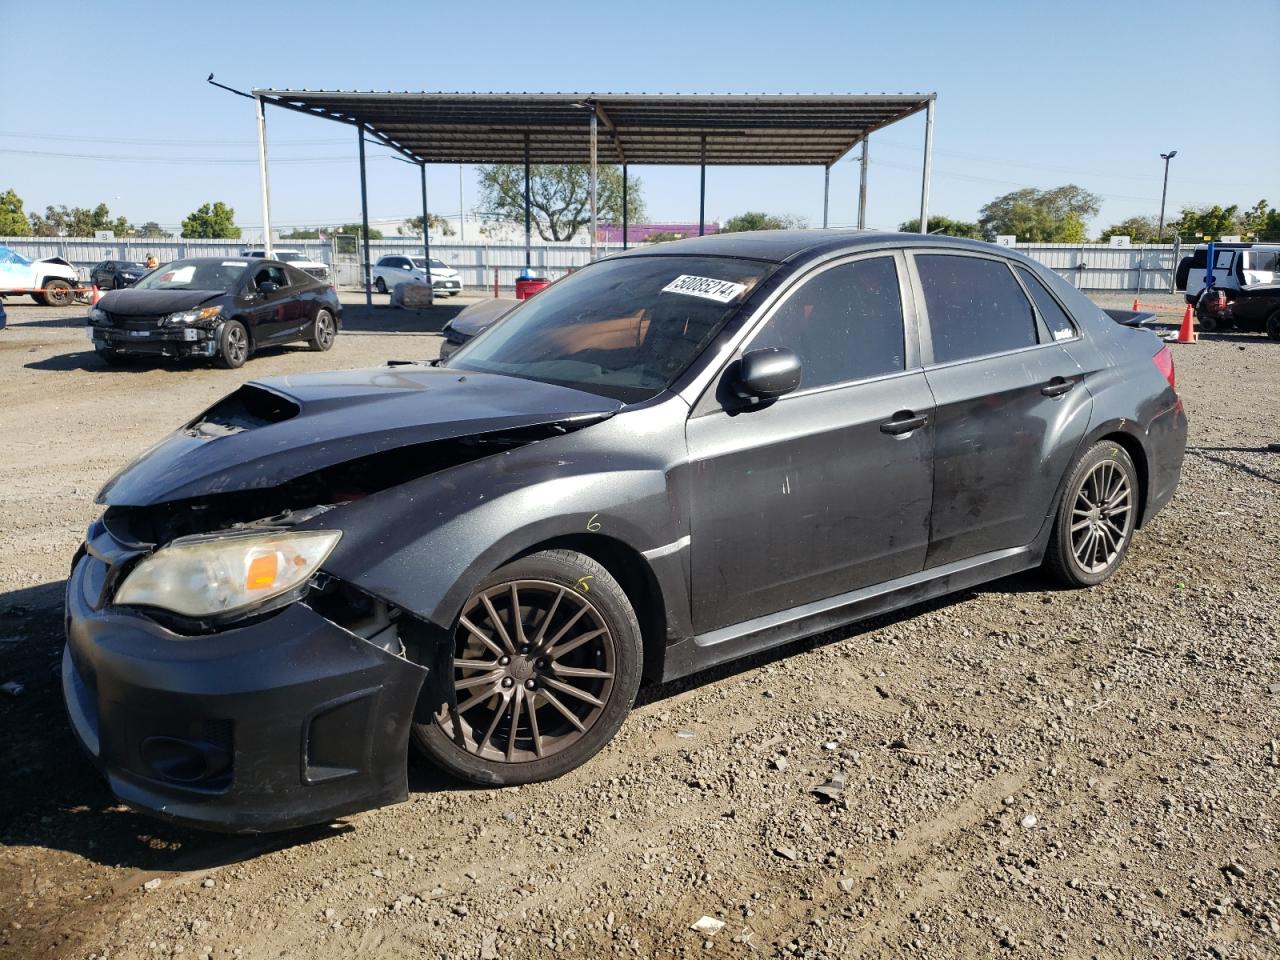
[[779, 246], [782, 129]]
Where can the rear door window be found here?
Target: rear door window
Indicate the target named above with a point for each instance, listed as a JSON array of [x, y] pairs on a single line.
[[976, 307], [1051, 312], [844, 324]]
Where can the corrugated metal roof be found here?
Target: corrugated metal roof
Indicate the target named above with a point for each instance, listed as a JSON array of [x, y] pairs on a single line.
[[777, 129]]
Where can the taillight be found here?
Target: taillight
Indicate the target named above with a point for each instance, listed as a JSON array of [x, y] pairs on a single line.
[[1164, 362]]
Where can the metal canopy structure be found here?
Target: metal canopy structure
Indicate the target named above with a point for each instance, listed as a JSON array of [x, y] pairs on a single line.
[[614, 128]]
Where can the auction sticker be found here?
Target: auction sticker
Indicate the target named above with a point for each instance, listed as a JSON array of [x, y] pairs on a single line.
[[709, 288]]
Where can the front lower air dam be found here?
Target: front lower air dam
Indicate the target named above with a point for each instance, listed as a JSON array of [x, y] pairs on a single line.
[[285, 720]]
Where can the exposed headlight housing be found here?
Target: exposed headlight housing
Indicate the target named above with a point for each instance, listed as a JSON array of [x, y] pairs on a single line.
[[97, 315], [213, 576], [198, 315]]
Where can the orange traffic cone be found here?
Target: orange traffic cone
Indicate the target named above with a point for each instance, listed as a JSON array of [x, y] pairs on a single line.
[[1136, 306], [1187, 332], [97, 295]]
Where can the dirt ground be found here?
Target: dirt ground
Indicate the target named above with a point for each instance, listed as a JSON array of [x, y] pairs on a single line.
[[1026, 771]]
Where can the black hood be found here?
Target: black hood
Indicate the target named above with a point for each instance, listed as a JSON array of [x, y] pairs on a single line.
[[273, 431], [152, 303]]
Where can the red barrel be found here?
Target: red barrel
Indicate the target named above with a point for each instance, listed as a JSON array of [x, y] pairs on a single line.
[[527, 288]]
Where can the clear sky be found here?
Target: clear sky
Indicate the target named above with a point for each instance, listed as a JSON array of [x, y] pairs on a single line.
[[1029, 94]]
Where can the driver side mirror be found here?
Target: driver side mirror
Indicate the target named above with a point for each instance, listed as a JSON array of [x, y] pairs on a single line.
[[267, 288], [768, 373]]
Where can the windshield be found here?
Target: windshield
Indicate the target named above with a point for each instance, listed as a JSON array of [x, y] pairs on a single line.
[[624, 328], [288, 256], [421, 264], [127, 267], [221, 275]]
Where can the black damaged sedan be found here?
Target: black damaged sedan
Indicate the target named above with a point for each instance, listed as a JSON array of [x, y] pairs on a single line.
[[671, 459], [217, 308]]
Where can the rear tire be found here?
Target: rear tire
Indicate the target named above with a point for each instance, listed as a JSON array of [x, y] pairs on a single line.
[[323, 331], [1273, 326], [562, 673], [233, 345], [1096, 519]]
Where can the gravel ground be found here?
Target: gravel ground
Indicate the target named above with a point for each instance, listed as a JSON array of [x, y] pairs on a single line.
[[1024, 771]]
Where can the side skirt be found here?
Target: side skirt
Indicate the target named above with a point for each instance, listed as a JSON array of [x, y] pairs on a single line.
[[774, 629]]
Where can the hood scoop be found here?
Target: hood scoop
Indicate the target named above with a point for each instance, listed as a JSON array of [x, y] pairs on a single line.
[[249, 407]]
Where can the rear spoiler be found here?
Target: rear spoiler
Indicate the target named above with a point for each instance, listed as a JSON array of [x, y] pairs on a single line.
[[1131, 318]]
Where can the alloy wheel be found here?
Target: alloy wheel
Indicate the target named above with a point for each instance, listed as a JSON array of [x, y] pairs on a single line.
[[1101, 517], [237, 345], [324, 329], [533, 670]]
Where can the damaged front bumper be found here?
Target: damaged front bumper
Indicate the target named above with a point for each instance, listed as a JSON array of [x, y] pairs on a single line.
[[180, 341], [285, 721]]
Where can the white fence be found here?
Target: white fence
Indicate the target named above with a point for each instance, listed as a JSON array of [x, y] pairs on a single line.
[[1089, 266]]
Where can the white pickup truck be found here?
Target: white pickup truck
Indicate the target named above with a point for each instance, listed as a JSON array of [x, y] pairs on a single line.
[[52, 281]]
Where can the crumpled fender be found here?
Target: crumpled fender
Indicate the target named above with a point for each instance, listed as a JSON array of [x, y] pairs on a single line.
[[424, 545]]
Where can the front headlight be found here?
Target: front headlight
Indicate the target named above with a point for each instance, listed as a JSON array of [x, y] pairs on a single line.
[[192, 316], [97, 315], [214, 576]]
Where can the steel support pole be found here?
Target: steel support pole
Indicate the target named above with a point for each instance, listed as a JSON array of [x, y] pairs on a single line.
[[1164, 192], [263, 182], [595, 228], [702, 189], [364, 220], [862, 186], [528, 220], [426, 230], [928, 168], [826, 193], [625, 212]]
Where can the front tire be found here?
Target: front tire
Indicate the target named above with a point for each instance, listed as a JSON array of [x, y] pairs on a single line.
[[233, 345], [58, 293], [544, 668], [1096, 519], [380, 285], [1273, 326], [323, 331], [110, 356]]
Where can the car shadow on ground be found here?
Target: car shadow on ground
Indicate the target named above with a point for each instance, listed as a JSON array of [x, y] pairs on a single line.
[[53, 797], [65, 323], [89, 360]]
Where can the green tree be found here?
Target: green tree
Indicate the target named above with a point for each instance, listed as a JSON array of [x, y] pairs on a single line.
[[63, 221], [1259, 223], [559, 196], [755, 220], [13, 222], [438, 223], [213, 221], [1040, 216], [151, 231], [944, 226], [1193, 223], [299, 233], [1140, 229], [358, 230]]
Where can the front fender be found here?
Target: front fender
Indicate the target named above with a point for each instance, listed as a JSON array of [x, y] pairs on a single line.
[[425, 545]]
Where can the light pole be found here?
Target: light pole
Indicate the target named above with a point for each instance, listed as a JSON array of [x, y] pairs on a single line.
[[1166, 157]]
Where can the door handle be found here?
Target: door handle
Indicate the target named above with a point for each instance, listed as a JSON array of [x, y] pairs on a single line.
[[904, 421], [1057, 387]]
